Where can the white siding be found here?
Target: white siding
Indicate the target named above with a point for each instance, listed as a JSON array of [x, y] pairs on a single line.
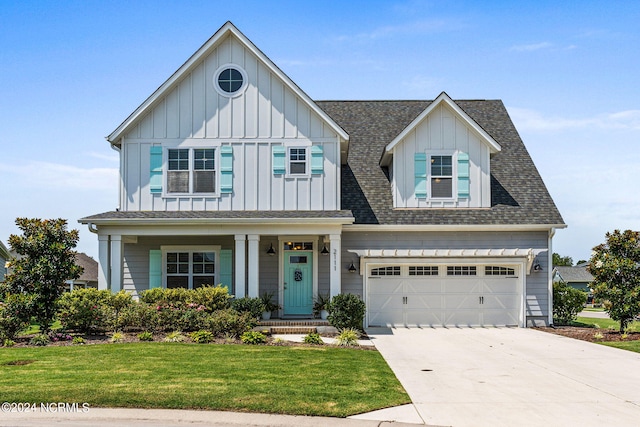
[[444, 132], [193, 114]]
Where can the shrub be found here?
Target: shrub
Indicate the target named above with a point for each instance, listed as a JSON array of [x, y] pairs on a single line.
[[253, 337], [250, 305], [85, 310], [40, 340], [161, 296], [268, 304], [230, 323], [117, 337], [175, 336], [192, 318], [78, 340], [211, 297], [346, 311], [313, 338], [118, 304], [145, 336], [140, 316], [567, 303], [59, 336], [201, 337], [8, 343], [14, 315], [348, 337]]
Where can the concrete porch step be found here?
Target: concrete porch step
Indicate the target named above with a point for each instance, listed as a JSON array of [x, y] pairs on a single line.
[[293, 322]]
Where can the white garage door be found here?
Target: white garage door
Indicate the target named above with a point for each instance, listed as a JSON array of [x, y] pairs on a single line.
[[444, 295]]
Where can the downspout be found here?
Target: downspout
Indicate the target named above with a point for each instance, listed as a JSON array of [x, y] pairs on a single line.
[[92, 228], [552, 233]]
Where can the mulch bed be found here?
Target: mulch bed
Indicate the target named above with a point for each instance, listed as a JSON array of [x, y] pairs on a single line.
[[591, 334]]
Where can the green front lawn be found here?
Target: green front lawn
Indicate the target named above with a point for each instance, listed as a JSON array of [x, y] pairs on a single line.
[[589, 322], [625, 345], [301, 380]]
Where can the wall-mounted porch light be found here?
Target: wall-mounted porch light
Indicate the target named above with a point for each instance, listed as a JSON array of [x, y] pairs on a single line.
[[271, 251], [352, 268], [537, 267], [324, 250]]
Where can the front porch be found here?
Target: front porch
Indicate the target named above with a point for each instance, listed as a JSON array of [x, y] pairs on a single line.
[[295, 326], [295, 256]]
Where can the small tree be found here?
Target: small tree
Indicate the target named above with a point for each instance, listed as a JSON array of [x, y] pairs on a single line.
[[566, 261], [615, 266], [567, 303], [46, 260]]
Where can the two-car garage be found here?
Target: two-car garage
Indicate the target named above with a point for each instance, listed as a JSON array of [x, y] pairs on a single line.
[[446, 293]]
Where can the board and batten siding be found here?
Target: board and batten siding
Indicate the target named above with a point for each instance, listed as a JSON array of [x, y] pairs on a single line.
[[268, 112], [441, 132], [536, 284]]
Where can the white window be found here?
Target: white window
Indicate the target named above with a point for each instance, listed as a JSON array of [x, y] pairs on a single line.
[[493, 270], [191, 170], [441, 176], [423, 270], [190, 268], [297, 161]]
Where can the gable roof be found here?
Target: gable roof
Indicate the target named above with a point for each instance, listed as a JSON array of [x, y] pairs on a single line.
[[573, 274], [443, 98], [518, 194], [228, 29], [89, 265]]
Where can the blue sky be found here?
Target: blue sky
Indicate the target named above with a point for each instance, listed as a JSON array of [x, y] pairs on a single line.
[[72, 71]]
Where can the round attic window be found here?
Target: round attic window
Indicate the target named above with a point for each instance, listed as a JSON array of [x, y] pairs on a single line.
[[230, 80]]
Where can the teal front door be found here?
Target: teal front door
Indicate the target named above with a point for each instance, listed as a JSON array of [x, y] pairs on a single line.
[[298, 283]]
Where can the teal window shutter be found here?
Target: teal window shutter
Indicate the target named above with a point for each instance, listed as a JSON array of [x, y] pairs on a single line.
[[420, 174], [278, 153], [155, 177], [463, 175], [226, 169], [155, 268], [317, 159], [226, 269]]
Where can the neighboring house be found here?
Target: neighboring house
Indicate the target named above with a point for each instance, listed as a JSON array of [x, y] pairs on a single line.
[[89, 276], [431, 211], [577, 277], [5, 256]]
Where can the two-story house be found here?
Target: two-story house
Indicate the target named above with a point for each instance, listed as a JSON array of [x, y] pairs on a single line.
[[5, 256], [431, 211]]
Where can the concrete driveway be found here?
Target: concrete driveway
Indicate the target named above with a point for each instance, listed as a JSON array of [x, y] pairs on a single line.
[[512, 377]]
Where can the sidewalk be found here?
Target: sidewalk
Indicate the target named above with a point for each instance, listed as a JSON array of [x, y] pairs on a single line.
[[102, 417]]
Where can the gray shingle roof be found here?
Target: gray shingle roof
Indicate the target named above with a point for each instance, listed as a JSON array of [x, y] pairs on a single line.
[[518, 195], [574, 274]]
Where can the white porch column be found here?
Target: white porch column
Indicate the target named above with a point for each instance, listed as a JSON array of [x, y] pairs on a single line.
[[116, 263], [335, 276], [241, 280], [104, 266], [254, 270]]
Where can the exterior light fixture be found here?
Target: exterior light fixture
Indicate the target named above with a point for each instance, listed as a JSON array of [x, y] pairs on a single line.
[[324, 250], [537, 267], [271, 251], [352, 268]]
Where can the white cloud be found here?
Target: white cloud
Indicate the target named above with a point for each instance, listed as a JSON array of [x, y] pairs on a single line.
[[109, 157], [57, 176], [531, 120], [411, 28]]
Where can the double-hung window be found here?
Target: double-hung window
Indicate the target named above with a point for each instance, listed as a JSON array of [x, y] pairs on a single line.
[[441, 176], [297, 161], [190, 269], [191, 170]]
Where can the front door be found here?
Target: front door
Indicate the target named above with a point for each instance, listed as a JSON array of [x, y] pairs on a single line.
[[298, 283]]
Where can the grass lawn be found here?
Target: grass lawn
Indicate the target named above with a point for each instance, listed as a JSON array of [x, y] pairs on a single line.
[[301, 380], [625, 345], [590, 322]]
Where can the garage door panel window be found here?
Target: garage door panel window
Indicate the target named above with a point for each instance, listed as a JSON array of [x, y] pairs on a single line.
[[386, 271], [492, 270], [423, 270], [461, 270]]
